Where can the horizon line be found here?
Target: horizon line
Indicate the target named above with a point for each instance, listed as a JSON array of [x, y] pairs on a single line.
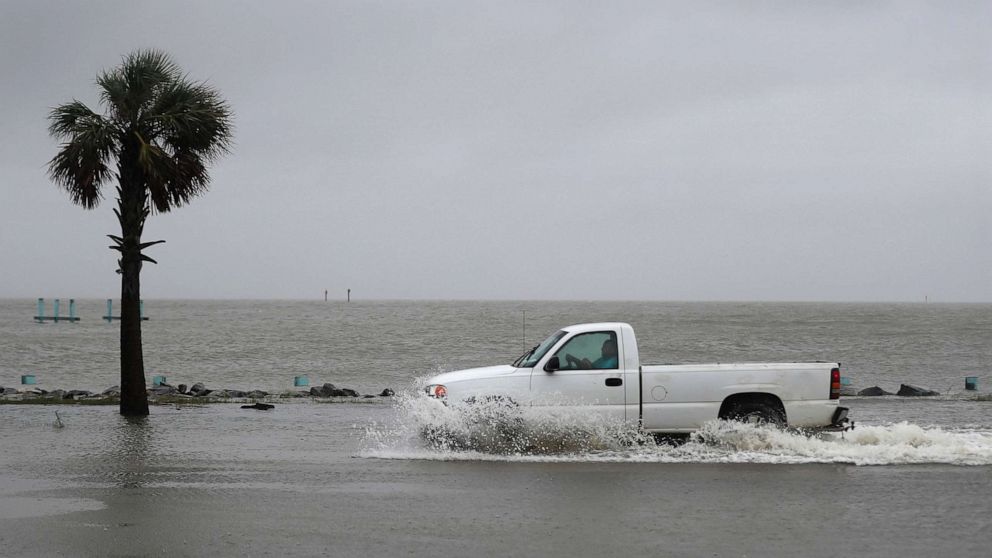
[[470, 299]]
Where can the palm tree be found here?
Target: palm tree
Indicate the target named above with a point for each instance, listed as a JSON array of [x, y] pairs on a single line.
[[161, 130]]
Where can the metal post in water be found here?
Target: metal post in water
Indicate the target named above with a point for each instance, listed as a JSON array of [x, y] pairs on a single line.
[[349, 295], [72, 310], [41, 310], [55, 311], [110, 309]]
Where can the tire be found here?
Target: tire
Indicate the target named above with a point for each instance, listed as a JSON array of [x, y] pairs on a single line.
[[496, 424], [757, 413], [440, 438], [491, 424]]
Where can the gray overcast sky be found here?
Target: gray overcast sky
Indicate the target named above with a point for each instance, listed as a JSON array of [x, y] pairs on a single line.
[[530, 150]]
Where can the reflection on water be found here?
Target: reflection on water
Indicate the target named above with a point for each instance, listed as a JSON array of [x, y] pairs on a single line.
[[130, 451], [203, 448]]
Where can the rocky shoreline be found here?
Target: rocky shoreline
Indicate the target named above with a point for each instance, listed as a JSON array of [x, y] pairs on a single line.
[[199, 392], [905, 390], [196, 392]]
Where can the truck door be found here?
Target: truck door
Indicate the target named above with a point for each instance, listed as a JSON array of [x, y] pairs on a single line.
[[590, 373]]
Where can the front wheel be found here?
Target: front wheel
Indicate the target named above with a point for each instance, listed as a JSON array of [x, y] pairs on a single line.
[[757, 413]]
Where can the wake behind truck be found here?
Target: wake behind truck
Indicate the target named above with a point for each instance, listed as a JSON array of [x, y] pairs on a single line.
[[596, 367]]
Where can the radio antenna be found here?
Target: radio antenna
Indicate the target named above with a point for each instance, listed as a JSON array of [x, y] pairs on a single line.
[[523, 330]]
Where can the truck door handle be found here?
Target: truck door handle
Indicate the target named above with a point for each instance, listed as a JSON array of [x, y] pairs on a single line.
[[613, 382]]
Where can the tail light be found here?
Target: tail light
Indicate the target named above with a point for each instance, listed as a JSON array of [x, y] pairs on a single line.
[[835, 383]]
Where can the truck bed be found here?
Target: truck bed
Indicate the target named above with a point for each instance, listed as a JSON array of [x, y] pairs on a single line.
[[681, 397]]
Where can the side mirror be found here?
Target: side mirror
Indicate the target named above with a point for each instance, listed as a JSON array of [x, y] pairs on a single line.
[[552, 365]]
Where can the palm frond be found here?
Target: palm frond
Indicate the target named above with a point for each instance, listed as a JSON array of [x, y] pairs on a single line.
[[192, 117], [68, 119], [129, 88], [81, 164]]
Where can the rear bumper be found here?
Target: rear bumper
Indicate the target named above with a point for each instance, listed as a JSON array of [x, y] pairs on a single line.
[[839, 421]]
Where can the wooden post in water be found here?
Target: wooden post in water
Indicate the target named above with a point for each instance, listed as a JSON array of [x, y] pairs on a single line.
[[325, 295], [56, 311], [349, 295]]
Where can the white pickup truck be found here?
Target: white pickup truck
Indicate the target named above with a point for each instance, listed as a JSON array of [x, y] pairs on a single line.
[[597, 366]]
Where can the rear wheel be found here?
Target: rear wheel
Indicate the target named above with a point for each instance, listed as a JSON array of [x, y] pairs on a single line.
[[757, 413]]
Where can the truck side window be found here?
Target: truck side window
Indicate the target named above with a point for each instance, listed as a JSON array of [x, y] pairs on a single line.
[[597, 351]]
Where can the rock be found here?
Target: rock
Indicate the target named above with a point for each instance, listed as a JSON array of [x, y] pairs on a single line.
[[198, 390], [162, 389], [368, 396], [56, 394], [328, 390], [236, 393], [73, 393], [259, 406], [8, 391], [219, 393], [907, 390], [257, 394], [387, 393], [873, 391], [114, 390], [181, 388]]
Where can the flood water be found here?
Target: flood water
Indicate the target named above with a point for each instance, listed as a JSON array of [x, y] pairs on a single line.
[[346, 479]]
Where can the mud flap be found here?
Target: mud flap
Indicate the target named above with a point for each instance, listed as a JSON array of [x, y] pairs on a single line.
[[839, 422]]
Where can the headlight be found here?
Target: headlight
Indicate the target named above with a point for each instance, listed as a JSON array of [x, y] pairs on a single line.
[[437, 390]]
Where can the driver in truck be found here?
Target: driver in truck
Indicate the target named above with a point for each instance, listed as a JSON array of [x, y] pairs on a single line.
[[608, 359]]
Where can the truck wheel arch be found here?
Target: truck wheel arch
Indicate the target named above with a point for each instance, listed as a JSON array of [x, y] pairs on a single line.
[[768, 402]]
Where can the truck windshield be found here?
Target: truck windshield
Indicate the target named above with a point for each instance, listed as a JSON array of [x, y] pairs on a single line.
[[530, 358]]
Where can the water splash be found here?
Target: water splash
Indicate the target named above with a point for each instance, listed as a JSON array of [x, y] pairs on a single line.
[[495, 430]]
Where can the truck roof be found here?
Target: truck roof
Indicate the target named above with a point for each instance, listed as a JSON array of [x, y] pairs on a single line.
[[597, 326]]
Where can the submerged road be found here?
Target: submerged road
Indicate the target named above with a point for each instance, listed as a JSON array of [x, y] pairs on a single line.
[[224, 482]]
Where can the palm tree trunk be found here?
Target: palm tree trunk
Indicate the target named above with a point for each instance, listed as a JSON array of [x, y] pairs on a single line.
[[134, 398]]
